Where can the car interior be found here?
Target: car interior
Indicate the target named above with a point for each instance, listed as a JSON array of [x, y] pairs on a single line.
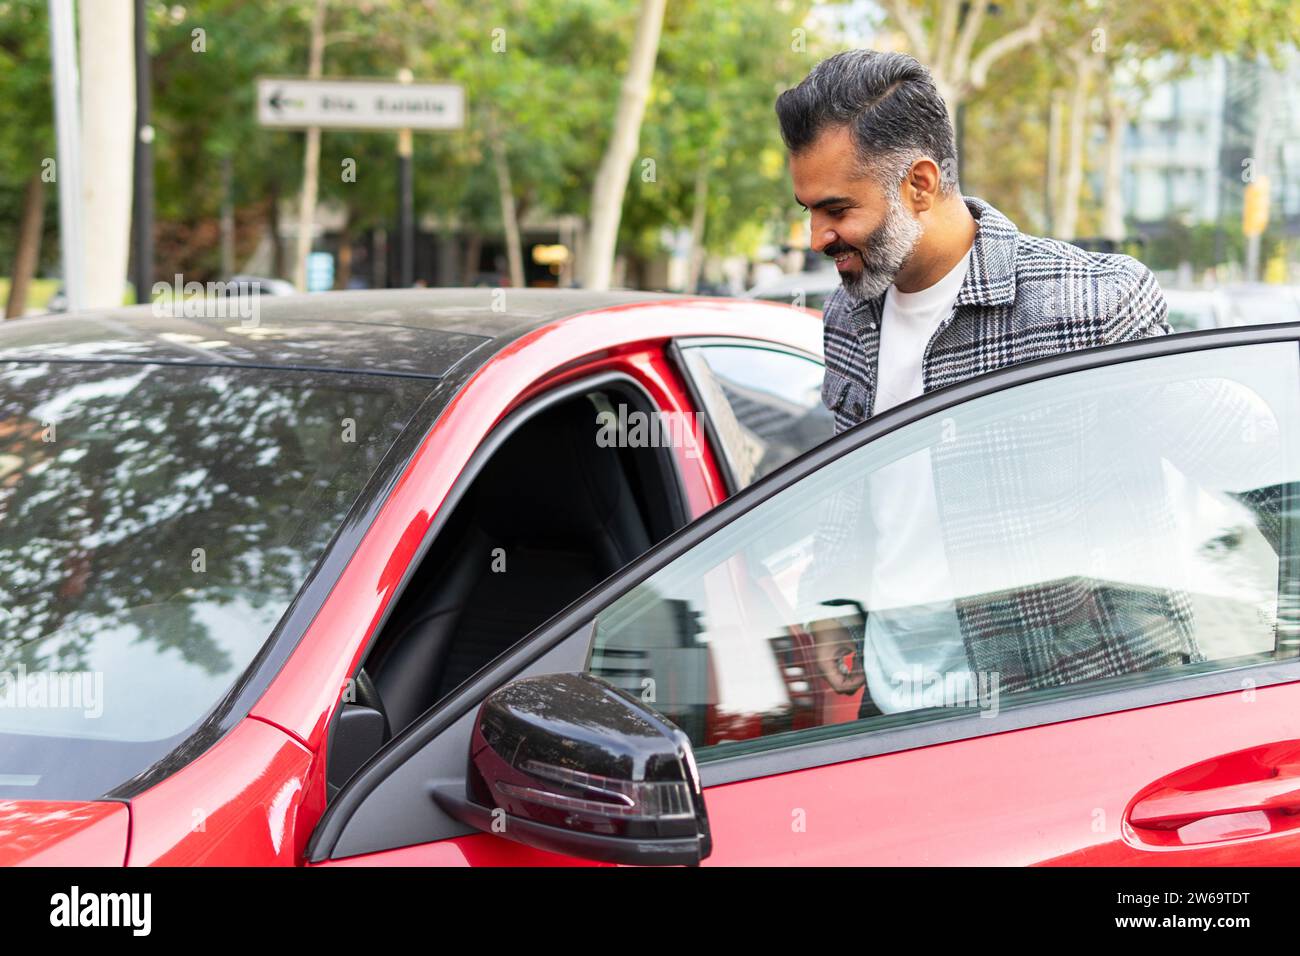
[[550, 514]]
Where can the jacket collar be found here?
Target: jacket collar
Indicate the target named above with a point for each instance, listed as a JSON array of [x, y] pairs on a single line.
[[991, 278]]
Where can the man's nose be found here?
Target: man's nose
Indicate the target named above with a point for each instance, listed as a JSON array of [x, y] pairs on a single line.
[[821, 238]]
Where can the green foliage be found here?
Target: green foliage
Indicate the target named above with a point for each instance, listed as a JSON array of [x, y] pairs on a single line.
[[27, 133], [542, 82]]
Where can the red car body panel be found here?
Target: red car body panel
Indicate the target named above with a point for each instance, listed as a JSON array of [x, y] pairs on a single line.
[[1051, 795], [63, 833], [1055, 794], [239, 804]]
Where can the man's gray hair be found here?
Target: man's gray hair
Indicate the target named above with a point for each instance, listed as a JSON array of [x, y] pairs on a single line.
[[891, 106]]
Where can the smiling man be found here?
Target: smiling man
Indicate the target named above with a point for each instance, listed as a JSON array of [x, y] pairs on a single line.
[[936, 287]]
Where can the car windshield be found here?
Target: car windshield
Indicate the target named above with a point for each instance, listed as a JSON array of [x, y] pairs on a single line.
[[156, 521]]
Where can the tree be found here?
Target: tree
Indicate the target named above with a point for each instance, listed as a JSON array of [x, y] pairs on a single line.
[[206, 56], [26, 144], [311, 154], [1118, 52], [961, 43], [106, 37], [710, 128], [611, 178]]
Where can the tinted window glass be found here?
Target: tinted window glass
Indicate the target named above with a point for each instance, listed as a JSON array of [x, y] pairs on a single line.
[[765, 405], [1123, 524], [155, 523]]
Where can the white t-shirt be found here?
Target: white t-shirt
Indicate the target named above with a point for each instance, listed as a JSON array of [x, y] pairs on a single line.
[[913, 652]]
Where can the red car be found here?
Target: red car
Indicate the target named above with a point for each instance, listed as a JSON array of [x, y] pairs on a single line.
[[440, 578], [222, 538]]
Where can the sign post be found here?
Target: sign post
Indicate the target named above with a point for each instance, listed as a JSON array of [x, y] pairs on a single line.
[[404, 106], [405, 199]]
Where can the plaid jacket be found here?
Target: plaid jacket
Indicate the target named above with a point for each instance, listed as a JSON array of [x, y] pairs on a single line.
[[1024, 298]]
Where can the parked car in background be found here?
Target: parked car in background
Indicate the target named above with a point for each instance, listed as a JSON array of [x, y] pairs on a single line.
[[1260, 303], [807, 289], [242, 284], [1191, 310]]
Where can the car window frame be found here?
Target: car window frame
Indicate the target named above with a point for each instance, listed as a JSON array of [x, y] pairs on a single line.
[[448, 713], [570, 634], [676, 352]]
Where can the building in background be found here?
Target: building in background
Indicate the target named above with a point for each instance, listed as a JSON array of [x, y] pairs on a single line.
[[1190, 150]]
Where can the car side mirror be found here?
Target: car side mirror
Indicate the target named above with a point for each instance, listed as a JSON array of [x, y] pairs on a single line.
[[569, 764]]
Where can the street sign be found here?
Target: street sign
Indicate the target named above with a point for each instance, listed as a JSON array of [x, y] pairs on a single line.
[[359, 104]]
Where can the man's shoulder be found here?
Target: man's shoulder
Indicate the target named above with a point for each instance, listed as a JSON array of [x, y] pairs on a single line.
[[1043, 260], [1112, 292]]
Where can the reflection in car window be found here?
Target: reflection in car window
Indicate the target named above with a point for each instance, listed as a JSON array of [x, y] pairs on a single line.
[[765, 405], [155, 523], [1123, 524]]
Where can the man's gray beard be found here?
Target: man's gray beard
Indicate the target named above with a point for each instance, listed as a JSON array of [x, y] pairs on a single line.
[[887, 250]]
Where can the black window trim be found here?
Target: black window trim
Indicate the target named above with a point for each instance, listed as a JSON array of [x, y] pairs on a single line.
[[576, 624]]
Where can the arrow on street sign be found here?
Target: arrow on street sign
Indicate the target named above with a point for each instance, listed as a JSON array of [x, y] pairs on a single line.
[[359, 104]]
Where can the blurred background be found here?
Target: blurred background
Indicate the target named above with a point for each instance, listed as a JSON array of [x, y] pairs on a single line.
[[624, 143]]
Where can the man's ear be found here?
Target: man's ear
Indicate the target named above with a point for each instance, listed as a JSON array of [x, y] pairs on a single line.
[[920, 187]]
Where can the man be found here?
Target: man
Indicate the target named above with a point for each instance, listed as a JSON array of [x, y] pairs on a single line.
[[936, 288]]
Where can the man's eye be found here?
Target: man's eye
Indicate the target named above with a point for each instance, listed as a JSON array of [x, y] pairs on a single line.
[[836, 212]]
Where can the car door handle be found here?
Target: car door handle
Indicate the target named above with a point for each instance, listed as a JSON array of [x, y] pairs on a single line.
[[1169, 809]]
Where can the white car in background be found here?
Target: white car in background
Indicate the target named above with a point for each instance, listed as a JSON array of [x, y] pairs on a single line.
[[1258, 303], [807, 289], [1193, 309]]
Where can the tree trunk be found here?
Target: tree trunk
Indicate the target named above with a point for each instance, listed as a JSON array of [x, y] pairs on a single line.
[[343, 274], [1112, 213], [28, 251], [611, 179], [509, 217], [944, 41], [273, 223], [107, 41], [227, 219], [1055, 114], [1067, 215], [311, 155], [699, 212], [473, 254]]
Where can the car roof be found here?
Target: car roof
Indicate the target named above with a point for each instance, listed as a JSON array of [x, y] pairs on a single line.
[[414, 332]]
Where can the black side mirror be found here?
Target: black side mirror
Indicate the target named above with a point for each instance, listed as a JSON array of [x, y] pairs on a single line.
[[569, 764]]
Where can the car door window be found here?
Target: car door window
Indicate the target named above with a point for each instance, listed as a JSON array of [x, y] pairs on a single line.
[[765, 405], [1112, 526]]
